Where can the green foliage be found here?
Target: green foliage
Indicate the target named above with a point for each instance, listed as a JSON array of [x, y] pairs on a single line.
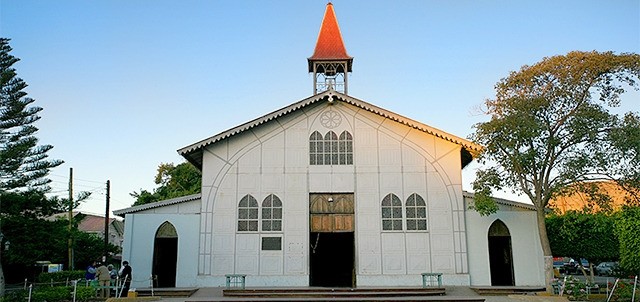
[[56, 293], [483, 203], [551, 127], [62, 276], [623, 292], [19, 295], [23, 163], [38, 239], [173, 181], [575, 289], [85, 293], [583, 235], [50, 294], [627, 227]]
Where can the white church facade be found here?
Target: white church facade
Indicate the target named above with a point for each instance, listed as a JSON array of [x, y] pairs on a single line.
[[331, 191]]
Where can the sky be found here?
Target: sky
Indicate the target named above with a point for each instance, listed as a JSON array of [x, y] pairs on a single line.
[[124, 84]]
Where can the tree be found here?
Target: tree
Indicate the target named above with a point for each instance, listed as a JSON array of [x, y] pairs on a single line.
[[583, 235], [551, 128], [174, 181], [627, 226], [24, 164]]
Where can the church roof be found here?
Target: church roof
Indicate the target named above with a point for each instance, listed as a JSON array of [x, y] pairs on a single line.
[[502, 201], [193, 152], [157, 204], [329, 46]]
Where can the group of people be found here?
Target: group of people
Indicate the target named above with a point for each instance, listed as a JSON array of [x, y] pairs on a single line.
[[106, 275]]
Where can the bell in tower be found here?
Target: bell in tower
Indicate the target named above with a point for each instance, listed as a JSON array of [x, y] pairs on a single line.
[[330, 63]]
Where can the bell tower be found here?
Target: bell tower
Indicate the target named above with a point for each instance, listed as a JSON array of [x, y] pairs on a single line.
[[330, 63]]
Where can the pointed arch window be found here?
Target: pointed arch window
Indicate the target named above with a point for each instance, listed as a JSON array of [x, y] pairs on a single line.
[[391, 213], [416, 213], [345, 148], [316, 148], [272, 214], [331, 149], [248, 214]]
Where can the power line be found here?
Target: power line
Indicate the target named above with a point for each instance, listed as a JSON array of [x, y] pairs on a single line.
[[75, 179]]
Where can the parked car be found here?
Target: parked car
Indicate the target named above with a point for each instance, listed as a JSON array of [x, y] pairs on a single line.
[[605, 268]]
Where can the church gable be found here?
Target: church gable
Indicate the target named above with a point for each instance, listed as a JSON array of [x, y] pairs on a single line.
[[193, 153]]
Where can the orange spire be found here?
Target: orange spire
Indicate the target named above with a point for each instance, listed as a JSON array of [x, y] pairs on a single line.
[[330, 45]]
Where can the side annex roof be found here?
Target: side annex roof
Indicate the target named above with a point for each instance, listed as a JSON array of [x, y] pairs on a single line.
[[157, 204], [504, 202], [193, 152]]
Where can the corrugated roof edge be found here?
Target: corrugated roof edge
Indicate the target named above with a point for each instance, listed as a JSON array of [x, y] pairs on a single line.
[[158, 204], [470, 146], [505, 202]]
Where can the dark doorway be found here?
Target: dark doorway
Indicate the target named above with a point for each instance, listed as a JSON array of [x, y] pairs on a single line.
[[165, 256], [500, 255], [332, 259], [331, 240]]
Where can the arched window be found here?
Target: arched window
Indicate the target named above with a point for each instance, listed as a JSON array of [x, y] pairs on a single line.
[[316, 147], [391, 213], [248, 214], [345, 148], [331, 149], [272, 213], [416, 213]]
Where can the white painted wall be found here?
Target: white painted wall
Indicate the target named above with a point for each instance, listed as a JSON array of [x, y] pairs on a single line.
[[388, 158], [528, 262], [140, 230]]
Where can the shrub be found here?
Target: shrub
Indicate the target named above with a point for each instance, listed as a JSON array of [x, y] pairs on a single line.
[[575, 289], [85, 293], [623, 291], [51, 294], [61, 276], [19, 295]]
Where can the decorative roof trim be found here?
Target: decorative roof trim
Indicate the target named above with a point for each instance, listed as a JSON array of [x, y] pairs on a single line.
[[157, 204], [504, 202], [331, 95]]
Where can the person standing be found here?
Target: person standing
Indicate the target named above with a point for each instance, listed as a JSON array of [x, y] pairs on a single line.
[[125, 275], [90, 273], [104, 279]]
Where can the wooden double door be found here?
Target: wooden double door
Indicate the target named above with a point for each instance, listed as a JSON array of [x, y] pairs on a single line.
[[331, 240]]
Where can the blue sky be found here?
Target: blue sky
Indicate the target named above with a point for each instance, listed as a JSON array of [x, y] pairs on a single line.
[[124, 84]]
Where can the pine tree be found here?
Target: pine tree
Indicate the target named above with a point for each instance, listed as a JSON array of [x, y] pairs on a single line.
[[24, 164]]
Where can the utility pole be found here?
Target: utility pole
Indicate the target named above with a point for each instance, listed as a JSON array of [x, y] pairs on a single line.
[[106, 225], [70, 241]]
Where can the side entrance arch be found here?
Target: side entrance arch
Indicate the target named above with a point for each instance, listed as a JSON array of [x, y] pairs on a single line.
[[500, 255], [165, 255]]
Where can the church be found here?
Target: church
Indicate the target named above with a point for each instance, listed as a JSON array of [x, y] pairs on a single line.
[[331, 191]]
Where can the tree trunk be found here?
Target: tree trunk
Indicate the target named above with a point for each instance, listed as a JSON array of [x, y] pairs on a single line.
[[1, 272], [546, 249]]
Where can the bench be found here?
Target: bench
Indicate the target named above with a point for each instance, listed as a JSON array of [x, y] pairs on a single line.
[[235, 280], [430, 279]]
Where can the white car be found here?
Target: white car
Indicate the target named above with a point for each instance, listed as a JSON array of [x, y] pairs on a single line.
[[605, 268]]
